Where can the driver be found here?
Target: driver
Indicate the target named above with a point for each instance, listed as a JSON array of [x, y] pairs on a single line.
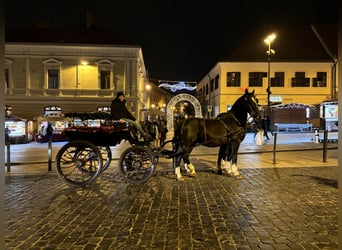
[[120, 112]]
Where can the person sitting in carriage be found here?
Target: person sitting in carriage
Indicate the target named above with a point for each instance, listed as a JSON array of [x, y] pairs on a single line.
[[120, 112]]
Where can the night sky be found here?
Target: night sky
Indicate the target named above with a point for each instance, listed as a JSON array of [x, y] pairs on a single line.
[[179, 40]]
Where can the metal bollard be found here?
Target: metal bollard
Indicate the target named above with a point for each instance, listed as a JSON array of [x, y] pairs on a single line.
[[325, 146], [316, 136], [8, 144], [49, 155], [274, 147]]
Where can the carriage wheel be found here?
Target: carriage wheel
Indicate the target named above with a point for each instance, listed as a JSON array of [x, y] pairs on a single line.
[[136, 164], [78, 163], [106, 154]]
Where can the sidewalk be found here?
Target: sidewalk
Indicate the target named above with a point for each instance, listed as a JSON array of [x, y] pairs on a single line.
[[292, 150]]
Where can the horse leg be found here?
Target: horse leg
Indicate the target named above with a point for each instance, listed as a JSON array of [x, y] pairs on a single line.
[[225, 155], [235, 171], [190, 168], [220, 158], [178, 173]]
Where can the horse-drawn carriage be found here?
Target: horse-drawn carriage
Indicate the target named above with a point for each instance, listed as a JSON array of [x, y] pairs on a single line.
[[80, 161], [88, 153]]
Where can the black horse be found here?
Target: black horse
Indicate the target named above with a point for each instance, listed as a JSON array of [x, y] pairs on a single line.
[[226, 132]]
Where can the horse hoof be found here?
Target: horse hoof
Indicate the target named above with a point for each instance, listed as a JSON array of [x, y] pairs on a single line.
[[192, 174], [238, 177], [180, 178], [219, 172]]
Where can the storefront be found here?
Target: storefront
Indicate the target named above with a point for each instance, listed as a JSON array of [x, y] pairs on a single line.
[[329, 116], [17, 129]]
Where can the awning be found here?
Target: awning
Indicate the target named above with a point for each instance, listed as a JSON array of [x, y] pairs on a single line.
[[293, 105]]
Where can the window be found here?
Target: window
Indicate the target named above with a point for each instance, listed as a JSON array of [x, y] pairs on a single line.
[[255, 79], [300, 80], [7, 78], [106, 74], [233, 79], [278, 80], [53, 79], [320, 80], [105, 79], [217, 81], [52, 68], [211, 85], [8, 73]]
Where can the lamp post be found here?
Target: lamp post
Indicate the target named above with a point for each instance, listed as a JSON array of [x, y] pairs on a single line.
[[268, 40]]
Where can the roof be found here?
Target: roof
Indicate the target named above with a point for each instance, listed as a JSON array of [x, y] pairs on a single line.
[[78, 35], [295, 43]]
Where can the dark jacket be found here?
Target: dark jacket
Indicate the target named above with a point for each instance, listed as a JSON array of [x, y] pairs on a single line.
[[119, 110], [49, 130]]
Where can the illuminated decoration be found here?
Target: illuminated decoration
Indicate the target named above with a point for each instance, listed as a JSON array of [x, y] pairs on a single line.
[[52, 111], [177, 87], [8, 110], [293, 105], [104, 109], [180, 98]]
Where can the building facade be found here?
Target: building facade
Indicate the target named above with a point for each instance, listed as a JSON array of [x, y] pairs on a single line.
[[72, 77], [290, 82]]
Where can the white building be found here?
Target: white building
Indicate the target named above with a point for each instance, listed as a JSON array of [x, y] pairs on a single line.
[[77, 78]]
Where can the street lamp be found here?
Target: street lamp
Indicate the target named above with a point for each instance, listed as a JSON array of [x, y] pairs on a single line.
[[268, 40]]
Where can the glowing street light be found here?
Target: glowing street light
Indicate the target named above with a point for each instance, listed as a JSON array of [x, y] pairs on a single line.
[[268, 40]]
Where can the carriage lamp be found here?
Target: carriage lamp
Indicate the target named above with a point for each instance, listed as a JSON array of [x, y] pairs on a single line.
[[268, 40]]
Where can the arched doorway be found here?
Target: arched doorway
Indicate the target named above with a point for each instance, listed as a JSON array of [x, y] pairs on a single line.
[[172, 103]]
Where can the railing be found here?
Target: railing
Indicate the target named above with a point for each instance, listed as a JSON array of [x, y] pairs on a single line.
[[60, 92], [293, 127]]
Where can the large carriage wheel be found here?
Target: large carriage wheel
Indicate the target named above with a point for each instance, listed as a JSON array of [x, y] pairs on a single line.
[[78, 163], [106, 154], [136, 164]]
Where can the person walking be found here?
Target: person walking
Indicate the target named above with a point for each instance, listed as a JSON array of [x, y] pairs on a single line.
[[49, 132], [163, 132], [120, 112], [7, 132]]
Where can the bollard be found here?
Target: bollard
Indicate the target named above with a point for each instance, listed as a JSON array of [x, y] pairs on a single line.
[[49, 155], [274, 147], [325, 145], [316, 136], [8, 144]]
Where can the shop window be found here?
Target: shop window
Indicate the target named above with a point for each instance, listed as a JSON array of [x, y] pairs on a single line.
[[320, 80], [233, 79], [255, 79]]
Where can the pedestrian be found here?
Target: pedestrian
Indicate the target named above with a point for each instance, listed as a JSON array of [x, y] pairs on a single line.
[[7, 132], [120, 113], [49, 132], [163, 132]]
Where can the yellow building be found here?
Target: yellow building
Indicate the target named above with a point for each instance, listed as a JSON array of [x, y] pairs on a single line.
[[297, 66]]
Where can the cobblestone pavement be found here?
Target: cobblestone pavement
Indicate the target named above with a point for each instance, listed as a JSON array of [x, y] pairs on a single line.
[[270, 208]]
